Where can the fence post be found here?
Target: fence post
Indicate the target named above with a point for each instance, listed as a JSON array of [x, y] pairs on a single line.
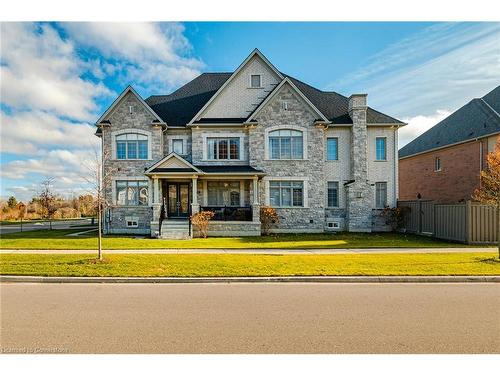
[[420, 216], [468, 222]]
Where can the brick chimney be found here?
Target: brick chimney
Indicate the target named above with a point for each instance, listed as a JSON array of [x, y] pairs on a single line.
[[359, 191]]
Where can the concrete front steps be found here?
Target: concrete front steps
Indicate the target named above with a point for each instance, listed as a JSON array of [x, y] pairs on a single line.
[[175, 230]]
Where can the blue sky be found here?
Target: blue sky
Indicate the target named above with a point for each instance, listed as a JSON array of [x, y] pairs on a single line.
[[57, 78]]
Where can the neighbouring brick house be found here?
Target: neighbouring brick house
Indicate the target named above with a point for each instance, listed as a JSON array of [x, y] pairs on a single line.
[[233, 142], [444, 163]]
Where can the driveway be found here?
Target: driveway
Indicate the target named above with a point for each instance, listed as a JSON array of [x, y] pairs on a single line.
[[251, 318]]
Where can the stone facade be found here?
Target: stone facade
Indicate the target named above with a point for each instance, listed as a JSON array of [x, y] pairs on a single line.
[[359, 191], [310, 170], [356, 171]]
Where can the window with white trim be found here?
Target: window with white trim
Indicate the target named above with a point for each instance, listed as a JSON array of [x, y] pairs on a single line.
[[286, 144], [223, 148], [381, 148], [286, 193], [223, 193], [131, 146], [178, 146], [437, 164], [333, 194], [380, 194], [255, 81], [131, 193], [332, 149]]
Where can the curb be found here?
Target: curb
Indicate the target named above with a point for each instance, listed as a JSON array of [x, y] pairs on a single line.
[[271, 279]]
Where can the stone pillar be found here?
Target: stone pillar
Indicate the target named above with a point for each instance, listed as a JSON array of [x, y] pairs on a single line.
[[156, 207], [195, 207], [255, 200], [359, 192]]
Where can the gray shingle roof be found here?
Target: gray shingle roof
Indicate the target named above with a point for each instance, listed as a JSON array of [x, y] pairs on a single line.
[[178, 108], [478, 118]]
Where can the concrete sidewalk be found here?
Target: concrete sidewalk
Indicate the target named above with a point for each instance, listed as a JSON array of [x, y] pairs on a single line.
[[264, 251]]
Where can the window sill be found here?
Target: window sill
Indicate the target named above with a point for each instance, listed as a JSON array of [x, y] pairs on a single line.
[[378, 161], [334, 160], [289, 207], [115, 159], [220, 160], [286, 159], [253, 88], [332, 207]]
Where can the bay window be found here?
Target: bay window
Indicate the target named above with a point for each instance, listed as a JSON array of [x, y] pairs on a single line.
[[286, 144], [286, 193], [131, 193], [131, 146], [223, 148]]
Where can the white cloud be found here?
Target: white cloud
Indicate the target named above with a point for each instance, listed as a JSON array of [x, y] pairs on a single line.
[[36, 132], [41, 71], [444, 66], [154, 56], [418, 125]]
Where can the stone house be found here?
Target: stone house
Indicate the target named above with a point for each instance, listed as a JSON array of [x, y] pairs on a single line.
[[233, 142], [444, 164]]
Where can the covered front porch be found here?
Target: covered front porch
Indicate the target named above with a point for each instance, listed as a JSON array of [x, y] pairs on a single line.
[[178, 192]]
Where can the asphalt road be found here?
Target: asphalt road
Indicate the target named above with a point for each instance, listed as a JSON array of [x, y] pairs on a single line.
[[250, 318], [58, 224]]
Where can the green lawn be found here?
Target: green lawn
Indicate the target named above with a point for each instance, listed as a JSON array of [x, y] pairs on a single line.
[[57, 239], [250, 265]]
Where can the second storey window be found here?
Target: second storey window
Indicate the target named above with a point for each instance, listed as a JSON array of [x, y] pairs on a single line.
[[255, 81], [380, 194], [131, 146], [286, 144], [381, 148], [131, 193], [223, 148], [437, 164], [286, 193], [178, 146], [332, 149]]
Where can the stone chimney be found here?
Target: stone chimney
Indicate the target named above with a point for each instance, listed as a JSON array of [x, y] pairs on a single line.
[[359, 191]]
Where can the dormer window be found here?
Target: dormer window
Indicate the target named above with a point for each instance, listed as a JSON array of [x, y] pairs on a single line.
[[255, 81]]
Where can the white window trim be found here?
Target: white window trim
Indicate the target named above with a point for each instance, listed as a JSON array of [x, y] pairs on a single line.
[[116, 133], [338, 148], [132, 219], [184, 139], [223, 135], [305, 180], [250, 81], [338, 195], [285, 127], [435, 164], [129, 178], [376, 138]]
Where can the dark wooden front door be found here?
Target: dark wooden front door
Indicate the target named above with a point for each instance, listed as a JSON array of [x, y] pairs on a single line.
[[178, 199]]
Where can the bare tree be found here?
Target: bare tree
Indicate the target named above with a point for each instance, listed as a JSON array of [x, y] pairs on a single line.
[[489, 191], [99, 179], [47, 199]]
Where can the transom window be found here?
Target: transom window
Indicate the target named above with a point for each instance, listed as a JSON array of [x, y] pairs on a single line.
[[131, 193], [286, 193], [332, 149], [223, 193], [223, 148], [131, 146], [380, 194], [381, 148], [178, 146], [286, 144], [255, 81], [333, 194]]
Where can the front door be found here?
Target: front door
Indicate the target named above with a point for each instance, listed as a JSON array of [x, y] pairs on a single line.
[[178, 199]]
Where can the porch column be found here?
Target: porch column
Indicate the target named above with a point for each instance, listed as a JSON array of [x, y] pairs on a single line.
[[195, 207], [156, 207], [255, 203]]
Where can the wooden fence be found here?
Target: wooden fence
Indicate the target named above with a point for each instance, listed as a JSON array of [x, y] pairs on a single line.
[[470, 222]]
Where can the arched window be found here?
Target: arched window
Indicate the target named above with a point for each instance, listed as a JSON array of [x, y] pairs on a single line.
[[132, 146], [286, 144]]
